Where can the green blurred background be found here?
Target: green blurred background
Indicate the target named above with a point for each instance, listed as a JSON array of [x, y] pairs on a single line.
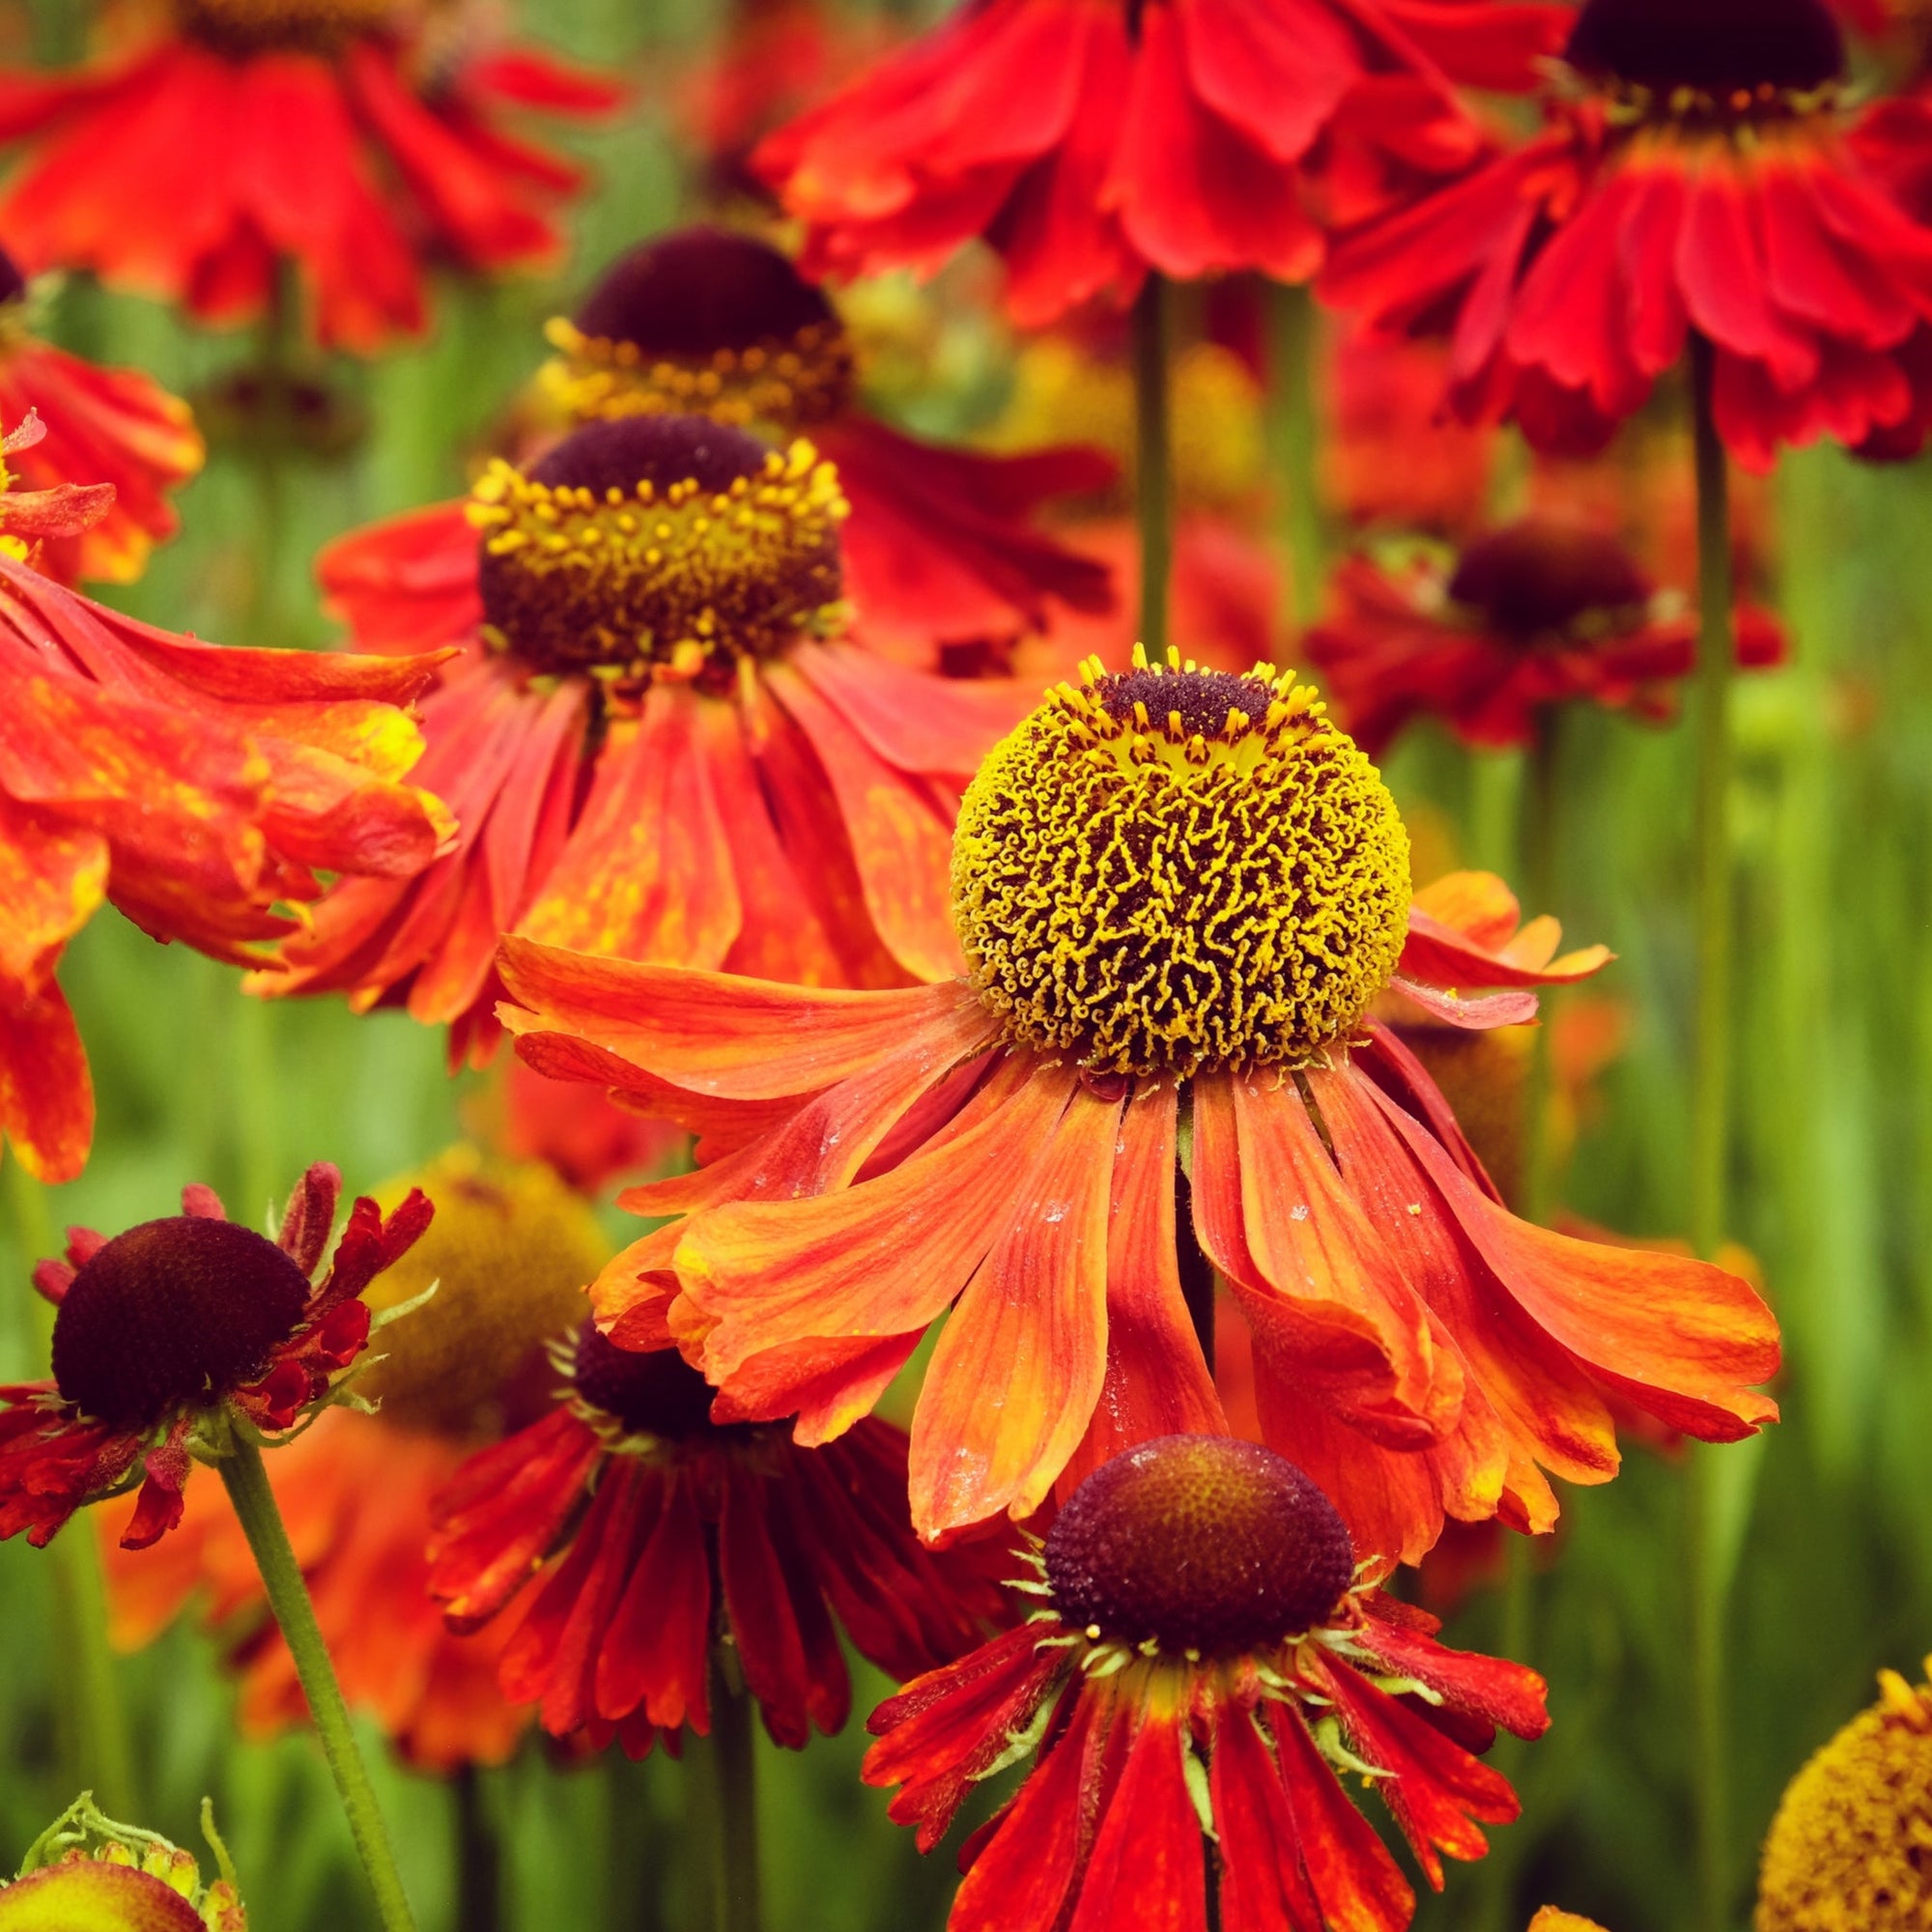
[[1829, 1518]]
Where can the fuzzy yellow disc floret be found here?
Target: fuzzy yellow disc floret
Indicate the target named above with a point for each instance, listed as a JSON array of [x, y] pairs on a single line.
[[1851, 1847], [1173, 867], [511, 1251]]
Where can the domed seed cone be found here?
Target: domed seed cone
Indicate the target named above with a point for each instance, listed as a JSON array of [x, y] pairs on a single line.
[[1171, 867], [12, 283], [170, 1315], [1539, 577], [244, 27], [657, 543], [510, 1251], [708, 322], [653, 1394], [689, 295], [1717, 47], [1198, 1542]]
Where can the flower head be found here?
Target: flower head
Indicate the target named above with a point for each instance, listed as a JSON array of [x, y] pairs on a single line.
[[1848, 1844], [706, 323], [1535, 614], [690, 1527], [659, 547], [87, 1873], [201, 791], [1180, 895], [663, 743], [1700, 171], [173, 1335], [1141, 879], [360, 139], [1092, 143], [1206, 1660], [508, 1254]]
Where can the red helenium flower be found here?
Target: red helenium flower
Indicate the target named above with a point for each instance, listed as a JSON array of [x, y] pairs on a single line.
[[508, 1254], [660, 743], [355, 137], [1179, 893], [688, 1523], [1702, 174], [1204, 1652], [178, 1328], [1533, 615], [117, 427], [194, 788], [1089, 141]]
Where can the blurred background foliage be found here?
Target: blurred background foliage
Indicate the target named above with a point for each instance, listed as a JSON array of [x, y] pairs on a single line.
[[1830, 1517]]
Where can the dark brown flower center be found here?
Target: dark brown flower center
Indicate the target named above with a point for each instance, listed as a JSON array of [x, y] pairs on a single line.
[[1715, 46], [12, 283], [171, 1314], [1539, 579], [659, 546], [1198, 1542], [704, 321], [244, 27], [658, 1393]]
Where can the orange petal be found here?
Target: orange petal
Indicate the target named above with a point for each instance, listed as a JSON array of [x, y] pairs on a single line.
[[1683, 1339], [53, 878], [47, 1094], [647, 872], [880, 1258], [913, 720], [713, 1032], [1156, 1381], [1329, 1312], [1527, 1404], [1021, 1361], [900, 831]]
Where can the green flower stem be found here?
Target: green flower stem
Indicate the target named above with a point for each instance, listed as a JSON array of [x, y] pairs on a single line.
[[1710, 1118], [1542, 836], [734, 1796], [247, 1483], [479, 1855], [1153, 461], [1295, 446], [96, 1753]]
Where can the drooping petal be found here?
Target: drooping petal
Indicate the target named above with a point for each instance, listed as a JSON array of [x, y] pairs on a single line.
[[1020, 1362], [1147, 1866], [1156, 1381]]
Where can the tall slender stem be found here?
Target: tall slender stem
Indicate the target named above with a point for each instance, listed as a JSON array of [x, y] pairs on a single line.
[[247, 1483], [1541, 835], [1294, 434], [1153, 461], [479, 1855], [735, 1796], [1710, 1115]]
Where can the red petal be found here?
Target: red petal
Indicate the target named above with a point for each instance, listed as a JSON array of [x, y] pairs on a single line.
[[1146, 1868]]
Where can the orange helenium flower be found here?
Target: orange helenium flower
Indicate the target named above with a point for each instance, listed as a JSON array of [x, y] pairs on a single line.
[[1207, 1650], [940, 546], [1179, 893], [170, 1332], [117, 427], [661, 745], [691, 1530], [194, 788], [355, 137]]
